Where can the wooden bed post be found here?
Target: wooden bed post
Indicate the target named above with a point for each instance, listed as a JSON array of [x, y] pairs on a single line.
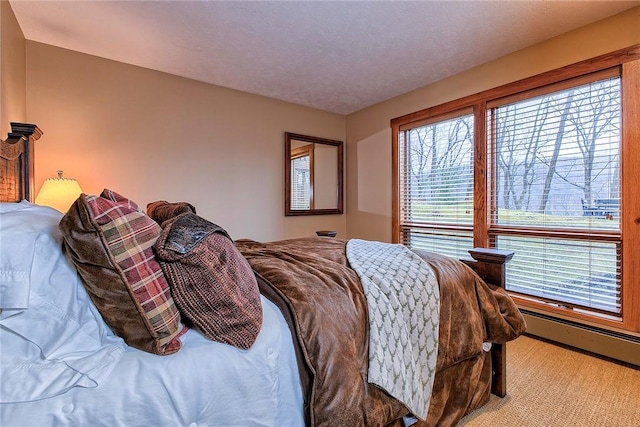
[[16, 163], [490, 264]]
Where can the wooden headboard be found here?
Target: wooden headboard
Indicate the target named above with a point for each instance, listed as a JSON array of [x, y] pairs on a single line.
[[16, 163]]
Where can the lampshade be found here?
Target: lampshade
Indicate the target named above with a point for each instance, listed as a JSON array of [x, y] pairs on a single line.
[[59, 193]]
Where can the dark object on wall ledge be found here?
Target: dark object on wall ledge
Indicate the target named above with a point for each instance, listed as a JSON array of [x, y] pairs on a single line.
[[326, 233]]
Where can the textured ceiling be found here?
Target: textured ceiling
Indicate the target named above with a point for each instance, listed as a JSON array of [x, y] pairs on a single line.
[[334, 56]]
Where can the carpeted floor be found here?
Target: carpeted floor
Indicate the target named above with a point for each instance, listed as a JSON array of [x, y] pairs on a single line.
[[552, 386]]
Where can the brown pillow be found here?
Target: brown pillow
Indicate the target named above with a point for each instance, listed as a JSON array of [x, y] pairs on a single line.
[[110, 240], [161, 210], [211, 282]]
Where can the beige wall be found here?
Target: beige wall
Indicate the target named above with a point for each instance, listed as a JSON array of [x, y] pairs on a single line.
[[369, 134], [151, 136], [12, 70]]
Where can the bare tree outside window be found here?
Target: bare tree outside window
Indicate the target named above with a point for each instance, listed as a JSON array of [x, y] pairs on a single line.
[[558, 156], [437, 184], [440, 178]]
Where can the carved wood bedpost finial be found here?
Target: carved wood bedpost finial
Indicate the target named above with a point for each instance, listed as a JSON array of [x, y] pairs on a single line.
[[26, 130], [493, 263], [17, 157]]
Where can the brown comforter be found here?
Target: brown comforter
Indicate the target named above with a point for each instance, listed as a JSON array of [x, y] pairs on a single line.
[[327, 310]]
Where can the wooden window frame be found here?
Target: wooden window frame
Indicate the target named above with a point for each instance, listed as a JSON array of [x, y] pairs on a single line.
[[628, 61]]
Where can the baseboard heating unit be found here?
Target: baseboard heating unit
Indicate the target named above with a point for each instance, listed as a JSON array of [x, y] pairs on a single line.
[[611, 344]]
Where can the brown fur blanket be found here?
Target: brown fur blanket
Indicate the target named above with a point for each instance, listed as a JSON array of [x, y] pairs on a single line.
[[328, 312]]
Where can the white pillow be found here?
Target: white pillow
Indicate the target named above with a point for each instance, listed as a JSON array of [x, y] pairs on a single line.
[[52, 337]]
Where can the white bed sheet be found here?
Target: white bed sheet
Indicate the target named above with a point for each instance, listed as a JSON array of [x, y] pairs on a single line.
[[65, 367], [204, 384]]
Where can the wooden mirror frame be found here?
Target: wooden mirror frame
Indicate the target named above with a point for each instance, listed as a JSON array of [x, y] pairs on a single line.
[[339, 209]]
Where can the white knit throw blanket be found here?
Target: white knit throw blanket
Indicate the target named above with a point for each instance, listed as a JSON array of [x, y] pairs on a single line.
[[404, 306]]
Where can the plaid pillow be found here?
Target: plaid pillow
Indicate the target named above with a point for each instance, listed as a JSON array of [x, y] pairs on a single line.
[[110, 241]]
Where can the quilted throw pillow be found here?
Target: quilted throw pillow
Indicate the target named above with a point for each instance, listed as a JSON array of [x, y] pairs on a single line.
[[212, 283], [110, 240]]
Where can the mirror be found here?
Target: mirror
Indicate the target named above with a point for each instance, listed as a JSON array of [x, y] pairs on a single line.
[[313, 175]]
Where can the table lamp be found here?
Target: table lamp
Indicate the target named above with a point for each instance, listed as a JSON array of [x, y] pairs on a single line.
[[59, 193]]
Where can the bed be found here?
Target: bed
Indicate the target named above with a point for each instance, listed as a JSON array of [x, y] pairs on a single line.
[[223, 332]]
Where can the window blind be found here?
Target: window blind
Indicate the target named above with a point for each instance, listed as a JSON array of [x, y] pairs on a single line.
[[572, 273], [436, 184], [300, 183], [556, 170]]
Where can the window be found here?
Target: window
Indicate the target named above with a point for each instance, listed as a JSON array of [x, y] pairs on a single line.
[[436, 184], [302, 178], [556, 170], [544, 167]]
